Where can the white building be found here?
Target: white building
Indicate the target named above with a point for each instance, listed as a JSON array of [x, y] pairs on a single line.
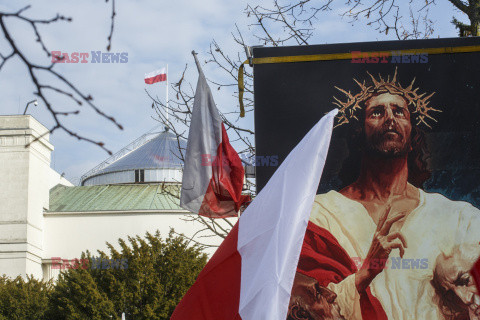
[[43, 216]]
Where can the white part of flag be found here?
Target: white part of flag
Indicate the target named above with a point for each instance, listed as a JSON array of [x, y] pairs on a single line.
[[155, 73], [272, 228]]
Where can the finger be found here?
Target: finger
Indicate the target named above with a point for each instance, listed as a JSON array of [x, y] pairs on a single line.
[[388, 224], [328, 294], [399, 235], [396, 244], [383, 218]]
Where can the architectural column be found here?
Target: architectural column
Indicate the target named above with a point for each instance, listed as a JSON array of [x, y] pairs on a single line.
[[24, 194]]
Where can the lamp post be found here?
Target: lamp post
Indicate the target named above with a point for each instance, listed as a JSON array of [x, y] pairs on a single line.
[[35, 103]]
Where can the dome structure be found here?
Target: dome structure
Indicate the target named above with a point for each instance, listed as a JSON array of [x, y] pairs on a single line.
[[149, 161]]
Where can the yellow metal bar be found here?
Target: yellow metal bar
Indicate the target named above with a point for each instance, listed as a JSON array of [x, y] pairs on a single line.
[[241, 88], [348, 55], [340, 56]]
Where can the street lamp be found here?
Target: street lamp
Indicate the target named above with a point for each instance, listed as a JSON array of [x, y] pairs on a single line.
[[35, 103]]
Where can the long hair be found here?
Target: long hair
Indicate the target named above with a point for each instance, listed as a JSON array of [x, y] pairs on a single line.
[[418, 171]]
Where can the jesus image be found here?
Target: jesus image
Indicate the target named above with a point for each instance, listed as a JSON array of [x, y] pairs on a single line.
[[371, 249]]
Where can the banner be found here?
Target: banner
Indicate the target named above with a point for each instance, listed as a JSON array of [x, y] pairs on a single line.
[[395, 226]]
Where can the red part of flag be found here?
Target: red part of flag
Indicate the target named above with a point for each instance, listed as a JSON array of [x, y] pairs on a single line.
[[157, 78], [216, 292], [224, 193]]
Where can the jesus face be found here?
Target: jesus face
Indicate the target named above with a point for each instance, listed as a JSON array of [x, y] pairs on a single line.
[[387, 125]]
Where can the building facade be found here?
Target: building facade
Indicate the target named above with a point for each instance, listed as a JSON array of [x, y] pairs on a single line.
[[44, 218]]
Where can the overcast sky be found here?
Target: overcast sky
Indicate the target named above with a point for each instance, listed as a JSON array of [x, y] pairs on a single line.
[[153, 33]]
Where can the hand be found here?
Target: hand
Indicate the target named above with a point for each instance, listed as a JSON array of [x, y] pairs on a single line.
[[383, 243]]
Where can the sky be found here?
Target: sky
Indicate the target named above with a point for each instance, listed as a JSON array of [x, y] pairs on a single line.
[[153, 34]]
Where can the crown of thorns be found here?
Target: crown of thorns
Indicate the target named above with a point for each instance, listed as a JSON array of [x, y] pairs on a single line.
[[417, 103]]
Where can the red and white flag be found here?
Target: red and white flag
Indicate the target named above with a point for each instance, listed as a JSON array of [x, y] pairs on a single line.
[[251, 274], [213, 173], [156, 76]]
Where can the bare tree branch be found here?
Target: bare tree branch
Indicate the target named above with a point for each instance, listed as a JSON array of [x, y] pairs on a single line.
[[33, 69], [109, 39]]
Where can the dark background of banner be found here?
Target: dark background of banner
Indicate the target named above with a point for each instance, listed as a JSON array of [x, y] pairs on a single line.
[[291, 97]]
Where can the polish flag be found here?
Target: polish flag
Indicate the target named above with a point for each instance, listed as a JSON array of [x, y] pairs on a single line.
[[213, 173], [156, 76], [250, 276]]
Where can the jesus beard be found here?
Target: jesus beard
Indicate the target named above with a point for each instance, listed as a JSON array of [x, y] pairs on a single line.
[[388, 144]]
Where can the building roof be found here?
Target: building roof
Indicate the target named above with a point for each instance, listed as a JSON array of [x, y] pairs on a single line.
[[130, 197], [160, 152]]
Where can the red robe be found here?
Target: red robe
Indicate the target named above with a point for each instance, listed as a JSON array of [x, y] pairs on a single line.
[[476, 274], [324, 259]]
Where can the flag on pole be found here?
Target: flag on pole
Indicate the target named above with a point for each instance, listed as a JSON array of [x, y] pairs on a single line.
[[213, 173], [250, 276], [156, 76]]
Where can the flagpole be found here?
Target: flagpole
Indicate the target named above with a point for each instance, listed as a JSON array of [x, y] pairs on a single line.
[[166, 95]]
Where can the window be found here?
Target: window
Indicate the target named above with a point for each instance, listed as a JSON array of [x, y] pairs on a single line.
[[139, 175]]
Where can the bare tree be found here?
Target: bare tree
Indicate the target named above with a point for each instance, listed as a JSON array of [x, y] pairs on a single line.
[[34, 70], [298, 18], [406, 19]]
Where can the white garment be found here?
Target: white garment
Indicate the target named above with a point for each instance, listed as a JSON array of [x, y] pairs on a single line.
[[435, 226]]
